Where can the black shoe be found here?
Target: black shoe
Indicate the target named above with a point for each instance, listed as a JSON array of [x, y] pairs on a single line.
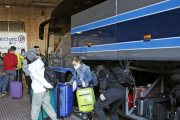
[[90, 117]]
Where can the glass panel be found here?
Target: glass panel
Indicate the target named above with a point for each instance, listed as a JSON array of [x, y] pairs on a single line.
[[16, 27], [60, 51], [3, 26]]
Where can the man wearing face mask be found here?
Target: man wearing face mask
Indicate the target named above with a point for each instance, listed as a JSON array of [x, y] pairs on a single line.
[[23, 52], [82, 75], [42, 56]]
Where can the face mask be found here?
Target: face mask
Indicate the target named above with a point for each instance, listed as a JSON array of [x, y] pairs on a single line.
[[77, 66], [23, 54], [58, 55]]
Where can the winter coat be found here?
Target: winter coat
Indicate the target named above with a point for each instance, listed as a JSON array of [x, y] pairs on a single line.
[[39, 83]]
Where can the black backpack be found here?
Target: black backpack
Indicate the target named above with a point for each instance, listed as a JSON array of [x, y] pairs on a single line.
[[50, 76], [123, 77]]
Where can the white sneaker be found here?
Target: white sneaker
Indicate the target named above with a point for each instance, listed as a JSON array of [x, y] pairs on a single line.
[[3, 95]]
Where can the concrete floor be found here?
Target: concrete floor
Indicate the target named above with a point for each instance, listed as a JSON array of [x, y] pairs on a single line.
[[20, 109]]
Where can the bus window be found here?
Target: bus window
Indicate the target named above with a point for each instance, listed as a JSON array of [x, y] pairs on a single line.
[[59, 50]]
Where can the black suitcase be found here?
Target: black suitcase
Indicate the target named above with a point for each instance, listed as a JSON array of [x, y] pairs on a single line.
[[159, 111], [162, 95], [148, 106], [173, 113], [139, 103]]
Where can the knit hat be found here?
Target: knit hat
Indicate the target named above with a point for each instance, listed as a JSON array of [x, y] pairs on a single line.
[[31, 54]]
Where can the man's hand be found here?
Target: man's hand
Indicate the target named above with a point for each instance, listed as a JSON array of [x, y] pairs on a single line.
[[3, 73], [86, 85], [69, 83], [102, 97], [51, 87]]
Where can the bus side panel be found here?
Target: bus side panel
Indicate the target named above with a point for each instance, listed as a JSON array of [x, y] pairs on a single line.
[[101, 11], [129, 5]]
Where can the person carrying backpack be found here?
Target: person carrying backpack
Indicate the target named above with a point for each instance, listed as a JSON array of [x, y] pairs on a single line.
[[112, 94], [82, 75], [10, 63], [39, 85]]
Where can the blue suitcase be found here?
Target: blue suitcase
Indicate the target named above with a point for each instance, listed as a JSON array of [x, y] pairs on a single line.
[[63, 98], [2, 82]]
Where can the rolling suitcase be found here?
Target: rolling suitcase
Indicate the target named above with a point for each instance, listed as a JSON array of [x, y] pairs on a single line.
[[149, 106], [159, 111], [139, 109], [140, 90], [173, 113], [16, 89], [43, 115], [86, 100], [63, 95]]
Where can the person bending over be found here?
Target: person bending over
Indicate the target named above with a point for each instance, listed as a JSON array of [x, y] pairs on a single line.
[[111, 94], [82, 75]]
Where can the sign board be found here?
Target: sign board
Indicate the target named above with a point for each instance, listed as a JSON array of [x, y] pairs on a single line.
[[8, 39]]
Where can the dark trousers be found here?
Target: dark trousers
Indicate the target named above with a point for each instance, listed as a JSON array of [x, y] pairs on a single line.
[[114, 98], [9, 76], [28, 82], [19, 76]]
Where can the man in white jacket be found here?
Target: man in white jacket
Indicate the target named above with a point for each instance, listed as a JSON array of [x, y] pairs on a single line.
[[41, 97]]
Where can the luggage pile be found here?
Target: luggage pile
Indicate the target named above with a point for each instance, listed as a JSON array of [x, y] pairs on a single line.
[[156, 105], [61, 100]]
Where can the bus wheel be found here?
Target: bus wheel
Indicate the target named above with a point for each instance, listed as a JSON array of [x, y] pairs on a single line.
[[74, 94]]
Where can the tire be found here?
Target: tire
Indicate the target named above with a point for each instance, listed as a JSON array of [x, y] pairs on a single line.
[[74, 94], [69, 77]]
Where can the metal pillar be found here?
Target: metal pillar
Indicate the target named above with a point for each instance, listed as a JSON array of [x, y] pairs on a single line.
[[162, 78], [149, 89]]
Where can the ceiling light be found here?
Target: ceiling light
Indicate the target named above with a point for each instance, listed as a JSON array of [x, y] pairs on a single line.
[[79, 32], [41, 3], [7, 6]]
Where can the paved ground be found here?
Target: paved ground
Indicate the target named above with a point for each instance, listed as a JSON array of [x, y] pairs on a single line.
[[19, 109]]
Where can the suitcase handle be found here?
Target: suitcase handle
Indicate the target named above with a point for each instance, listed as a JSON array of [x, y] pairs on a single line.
[[61, 102], [150, 110]]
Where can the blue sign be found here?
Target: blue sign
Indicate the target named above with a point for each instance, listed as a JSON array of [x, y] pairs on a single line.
[[21, 38]]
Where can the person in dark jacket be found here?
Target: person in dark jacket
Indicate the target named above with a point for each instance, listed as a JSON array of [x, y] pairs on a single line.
[[112, 94], [10, 63], [42, 56]]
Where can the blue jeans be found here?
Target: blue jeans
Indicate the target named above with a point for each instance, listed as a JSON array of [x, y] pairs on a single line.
[[85, 114]]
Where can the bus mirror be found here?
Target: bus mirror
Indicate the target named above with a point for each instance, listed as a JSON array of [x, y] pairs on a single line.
[[41, 28], [41, 33]]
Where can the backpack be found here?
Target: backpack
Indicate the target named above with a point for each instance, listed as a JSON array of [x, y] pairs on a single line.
[[123, 77], [94, 81], [50, 76]]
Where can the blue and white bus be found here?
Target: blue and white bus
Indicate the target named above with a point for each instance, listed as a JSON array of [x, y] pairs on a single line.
[[144, 32]]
